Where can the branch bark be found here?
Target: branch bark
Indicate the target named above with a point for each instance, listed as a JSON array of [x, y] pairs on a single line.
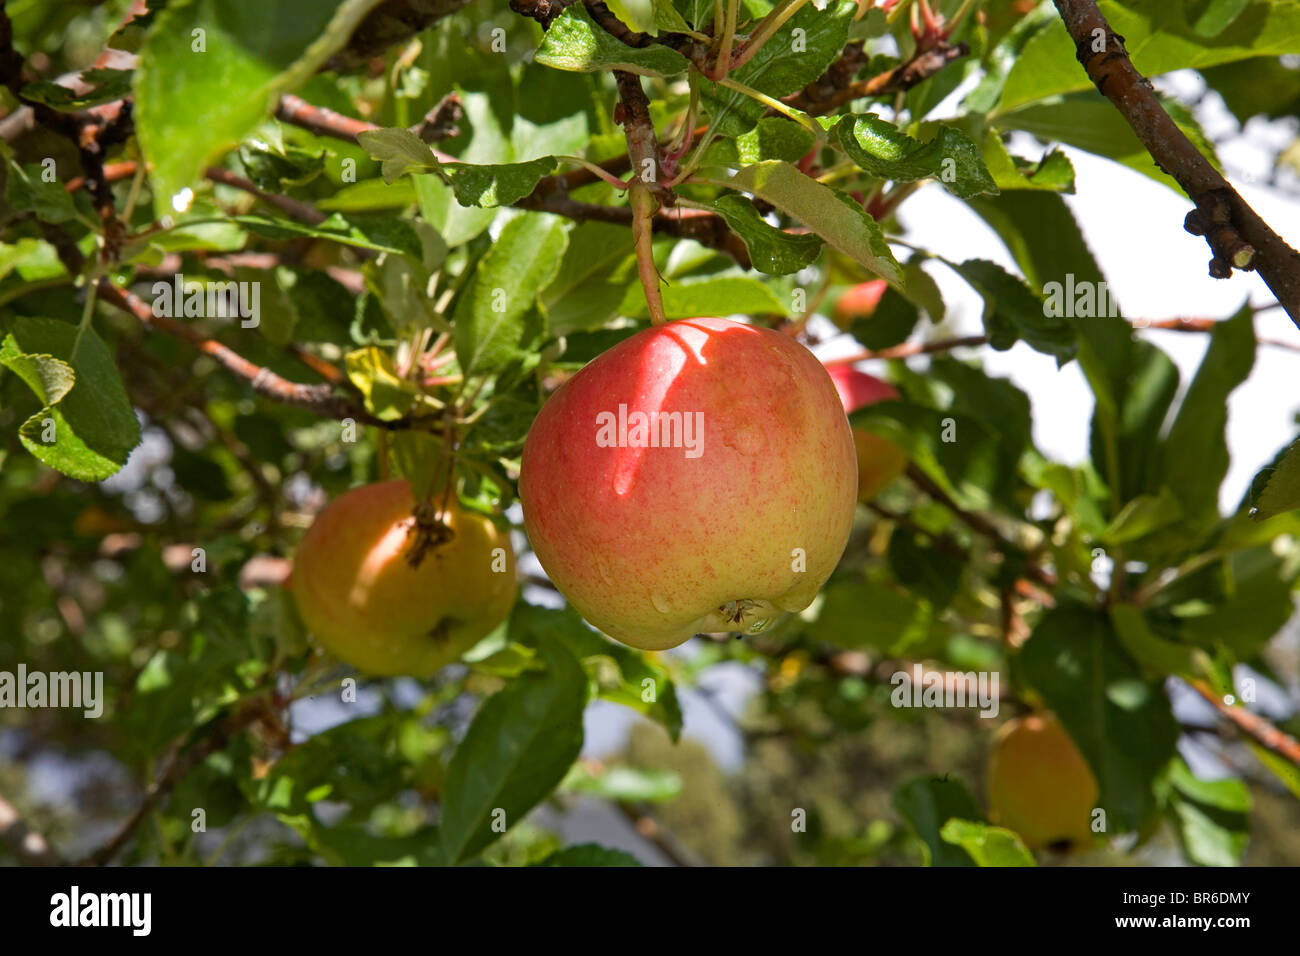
[[1251, 724], [1238, 237]]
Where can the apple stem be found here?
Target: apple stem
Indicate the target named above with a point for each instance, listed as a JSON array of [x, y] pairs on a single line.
[[643, 210]]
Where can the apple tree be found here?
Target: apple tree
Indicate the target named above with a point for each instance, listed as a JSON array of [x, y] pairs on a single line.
[[300, 298]]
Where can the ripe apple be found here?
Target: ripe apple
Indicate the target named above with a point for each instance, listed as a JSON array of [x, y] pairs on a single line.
[[366, 602], [880, 461], [697, 477], [1039, 784], [858, 302]]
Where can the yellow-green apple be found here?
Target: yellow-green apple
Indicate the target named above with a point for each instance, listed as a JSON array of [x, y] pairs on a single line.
[[697, 477], [880, 461], [1039, 784], [858, 302], [392, 595]]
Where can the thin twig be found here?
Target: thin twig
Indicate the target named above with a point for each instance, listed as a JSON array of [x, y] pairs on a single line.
[[1238, 237]]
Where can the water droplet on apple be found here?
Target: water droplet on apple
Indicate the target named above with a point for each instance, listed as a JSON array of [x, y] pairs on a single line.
[[661, 603]]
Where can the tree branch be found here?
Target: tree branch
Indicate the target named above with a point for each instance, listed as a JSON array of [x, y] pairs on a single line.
[[1251, 724], [1237, 235], [320, 399], [176, 766]]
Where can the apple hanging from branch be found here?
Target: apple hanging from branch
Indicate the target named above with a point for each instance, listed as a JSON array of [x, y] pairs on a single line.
[[1039, 784], [880, 461], [698, 477], [390, 593]]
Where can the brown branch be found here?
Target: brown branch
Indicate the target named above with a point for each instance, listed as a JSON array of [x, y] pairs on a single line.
[[293, 208], [1237, 235], [31, 848], [653, 832], [320, 399], [908, 349], [981, 525], [1251, 724], [550, 194], [176, 766], [835, 87]]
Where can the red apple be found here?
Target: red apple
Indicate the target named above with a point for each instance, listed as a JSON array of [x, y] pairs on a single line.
[[880, 461], [364, 600], [859, 302], [697, 477]]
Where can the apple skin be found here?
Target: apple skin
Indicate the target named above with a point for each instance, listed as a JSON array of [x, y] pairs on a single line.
[[360, 597], [653, 547], [880, 461], [1039, 784], [858, 302]]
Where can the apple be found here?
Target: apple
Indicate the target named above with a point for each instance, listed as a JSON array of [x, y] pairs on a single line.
[[858, 302], [365, 600], [1039, 784], [880, 461], [697, 477]]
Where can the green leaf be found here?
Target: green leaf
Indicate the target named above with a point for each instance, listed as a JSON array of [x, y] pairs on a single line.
[[1143, 515], [1158, 656], [1238, 603], [1012, 312], [771, 250], [857, 613], [1194, 456], [1212, 817], [883, 150], [105, 86], [499, 185], [709, 295], [574, 42], [245, 54], [927, 804], [933, 574], [88, 431], [279, 170], [519, 747], [377, 233], [589, 854], [829, 213], [973, 468], [1281, 489], [1053, 173], [1158, 39], [593, 277], [987, 845], [621, 674], [624, 783], [1217, 16], [26, 190], [48, 377], [399, 152], [1121, 723], [893, 321], [774, 137], [493, 315], [786, 63], [1089, 121]]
